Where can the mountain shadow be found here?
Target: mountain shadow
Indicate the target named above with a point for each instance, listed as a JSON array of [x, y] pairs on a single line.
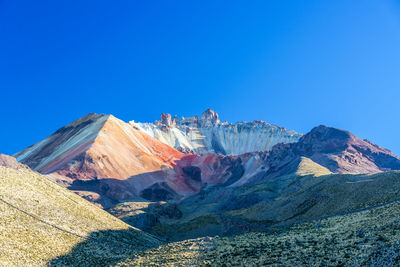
[[162, 185], [112, 191], [105, 248]]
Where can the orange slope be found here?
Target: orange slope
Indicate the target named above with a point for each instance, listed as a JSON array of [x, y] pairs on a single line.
[[99, 146]]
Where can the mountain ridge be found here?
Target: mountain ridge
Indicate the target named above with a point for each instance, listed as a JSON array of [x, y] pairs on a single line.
[[107, 160], [207, 134], [176, 195], [338, 150]]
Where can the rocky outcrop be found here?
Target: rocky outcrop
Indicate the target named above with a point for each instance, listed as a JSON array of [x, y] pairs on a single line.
[[209, 118], [166, 122], [207, 134]]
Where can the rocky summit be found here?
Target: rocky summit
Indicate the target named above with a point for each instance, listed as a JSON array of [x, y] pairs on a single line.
[[107, 160], [207, 134], [196, 177]]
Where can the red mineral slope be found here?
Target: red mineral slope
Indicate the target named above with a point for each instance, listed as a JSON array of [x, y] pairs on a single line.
[[97, 147], [112, 159], [107, 160]]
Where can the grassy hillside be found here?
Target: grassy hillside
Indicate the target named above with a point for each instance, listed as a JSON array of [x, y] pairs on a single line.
[[287, 199], [306, 166], [44, 224], [367, 238]]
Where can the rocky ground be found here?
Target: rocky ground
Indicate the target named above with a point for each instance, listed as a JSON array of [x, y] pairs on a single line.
[[367, 238], [288, 199]]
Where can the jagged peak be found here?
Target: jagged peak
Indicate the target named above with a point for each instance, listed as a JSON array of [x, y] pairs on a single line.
[[167, 120], [205, 133], [210, 117]]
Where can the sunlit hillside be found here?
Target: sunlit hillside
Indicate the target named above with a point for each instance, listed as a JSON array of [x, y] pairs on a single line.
[[42, 223]]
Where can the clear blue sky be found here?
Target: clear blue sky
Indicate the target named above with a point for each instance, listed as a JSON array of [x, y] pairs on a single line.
[[296, 64]]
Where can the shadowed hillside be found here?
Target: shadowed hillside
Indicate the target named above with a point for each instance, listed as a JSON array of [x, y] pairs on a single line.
[[367, 238], [286, 199]]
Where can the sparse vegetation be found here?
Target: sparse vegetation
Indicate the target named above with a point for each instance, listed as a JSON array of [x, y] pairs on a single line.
[[42, 223], [367, 238], [287, 199]]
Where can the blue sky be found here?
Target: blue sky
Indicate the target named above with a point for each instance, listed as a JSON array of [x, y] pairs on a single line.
[[296, 64]]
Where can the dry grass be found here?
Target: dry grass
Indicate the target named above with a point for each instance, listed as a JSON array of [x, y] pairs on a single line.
[[308, 167], [41, 221]]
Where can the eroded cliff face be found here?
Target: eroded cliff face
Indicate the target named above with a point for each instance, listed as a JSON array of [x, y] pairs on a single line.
[[207, 134]]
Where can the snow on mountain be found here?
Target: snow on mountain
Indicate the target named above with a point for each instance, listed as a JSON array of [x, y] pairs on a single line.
[[208, 134]]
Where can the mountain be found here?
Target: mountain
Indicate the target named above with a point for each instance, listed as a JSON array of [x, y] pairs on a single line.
[[107, 160], [338, 150], [207, 134], [98, 146], [195, 177], [44, 224], [99, 153]]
